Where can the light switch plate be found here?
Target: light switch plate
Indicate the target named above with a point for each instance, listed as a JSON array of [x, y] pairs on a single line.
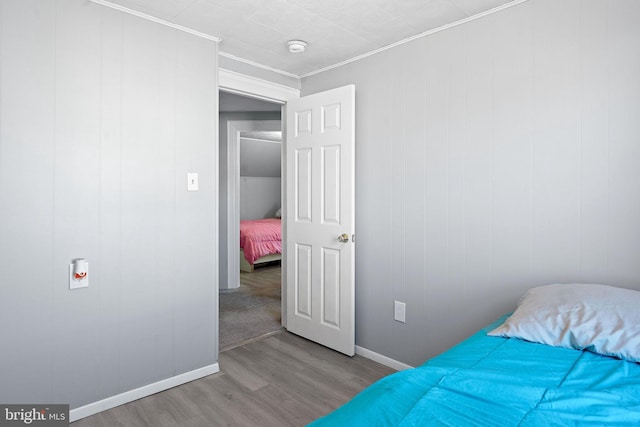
[[192, 181]]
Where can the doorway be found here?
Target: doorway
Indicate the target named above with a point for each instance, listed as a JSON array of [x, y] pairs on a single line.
[[250, 189], [324, 117]]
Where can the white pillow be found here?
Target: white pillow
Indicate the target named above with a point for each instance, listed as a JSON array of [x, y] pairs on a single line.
[[598, 318], [279, 213]]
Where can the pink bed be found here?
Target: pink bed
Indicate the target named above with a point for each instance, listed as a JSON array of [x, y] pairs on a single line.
[[260, 237]]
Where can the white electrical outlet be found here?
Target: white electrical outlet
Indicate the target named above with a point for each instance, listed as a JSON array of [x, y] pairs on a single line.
[[399, 311]]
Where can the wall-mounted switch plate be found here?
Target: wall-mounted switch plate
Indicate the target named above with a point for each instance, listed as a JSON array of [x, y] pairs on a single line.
[[192, 181], [399, 311]]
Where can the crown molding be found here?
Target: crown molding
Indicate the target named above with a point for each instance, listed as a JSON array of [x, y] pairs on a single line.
[[321, 70], [156, 20], [417, 36], [258, 65]]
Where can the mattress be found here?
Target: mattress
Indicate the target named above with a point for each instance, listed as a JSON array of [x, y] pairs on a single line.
[[495, 381]]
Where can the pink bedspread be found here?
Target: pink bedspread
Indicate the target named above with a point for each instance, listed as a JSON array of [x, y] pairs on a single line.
[[260, 237]]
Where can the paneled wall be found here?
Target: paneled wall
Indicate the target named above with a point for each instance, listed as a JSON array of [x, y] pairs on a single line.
[[491, 157], [260, 183], [260, 197], [102, 115]]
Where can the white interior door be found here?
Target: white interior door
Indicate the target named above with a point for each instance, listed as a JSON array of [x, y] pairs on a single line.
[[320, 220]]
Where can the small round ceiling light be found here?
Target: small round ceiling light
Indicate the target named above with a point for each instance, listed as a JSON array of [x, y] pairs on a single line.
[[296, 46]]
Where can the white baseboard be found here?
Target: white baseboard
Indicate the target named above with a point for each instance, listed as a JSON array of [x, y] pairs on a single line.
[[138, 393], [384, 360]]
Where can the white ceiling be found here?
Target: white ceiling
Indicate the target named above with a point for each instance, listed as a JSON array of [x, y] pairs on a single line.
[[336, 30]]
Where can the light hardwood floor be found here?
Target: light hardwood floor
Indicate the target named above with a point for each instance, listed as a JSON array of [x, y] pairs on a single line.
[[281, 380]]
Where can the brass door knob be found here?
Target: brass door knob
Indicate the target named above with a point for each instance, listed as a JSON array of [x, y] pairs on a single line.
[[344, 238]]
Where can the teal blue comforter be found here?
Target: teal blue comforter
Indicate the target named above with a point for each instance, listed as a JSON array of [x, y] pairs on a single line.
[[493, 381]]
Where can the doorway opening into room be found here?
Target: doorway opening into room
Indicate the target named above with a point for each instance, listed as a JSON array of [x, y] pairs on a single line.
[[251, 195]]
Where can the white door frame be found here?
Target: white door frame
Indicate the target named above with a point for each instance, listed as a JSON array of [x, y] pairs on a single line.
[[253, 87], [234, 128]]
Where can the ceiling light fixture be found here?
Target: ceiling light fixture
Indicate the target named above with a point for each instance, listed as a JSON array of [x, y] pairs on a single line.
[[296, 46]]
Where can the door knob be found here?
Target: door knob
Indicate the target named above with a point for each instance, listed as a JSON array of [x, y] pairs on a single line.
[[344, 238]]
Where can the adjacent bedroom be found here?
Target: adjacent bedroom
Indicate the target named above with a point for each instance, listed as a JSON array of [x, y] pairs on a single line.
[[252, 308]]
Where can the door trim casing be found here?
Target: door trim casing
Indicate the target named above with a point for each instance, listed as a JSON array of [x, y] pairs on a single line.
[[253, 87], [234, 128]]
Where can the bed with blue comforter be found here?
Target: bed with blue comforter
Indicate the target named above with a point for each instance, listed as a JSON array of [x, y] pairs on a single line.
[[497, 381]]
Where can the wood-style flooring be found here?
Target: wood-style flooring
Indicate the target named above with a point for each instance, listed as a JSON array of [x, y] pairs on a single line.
[[265, 276], [281, 380]]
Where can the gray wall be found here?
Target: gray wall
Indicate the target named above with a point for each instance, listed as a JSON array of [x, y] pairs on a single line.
[[222, 242], [260, 183], [260, 197], [102, 114], [260, 158], [491, 157]]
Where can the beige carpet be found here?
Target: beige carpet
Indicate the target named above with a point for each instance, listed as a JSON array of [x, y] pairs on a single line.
[[253, 309]]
